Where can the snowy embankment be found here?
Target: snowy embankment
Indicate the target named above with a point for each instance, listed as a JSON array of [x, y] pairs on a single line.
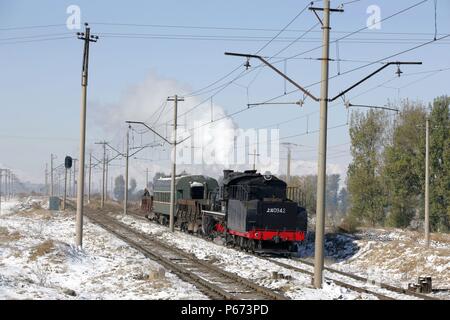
[[393, 256], [399, 257], [263, 272], [38, 260]]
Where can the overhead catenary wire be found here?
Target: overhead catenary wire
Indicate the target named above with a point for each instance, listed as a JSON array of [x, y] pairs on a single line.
[[224, 86], [371, 63], [259, 50], [361, 67], [208, 122], [309, 114]]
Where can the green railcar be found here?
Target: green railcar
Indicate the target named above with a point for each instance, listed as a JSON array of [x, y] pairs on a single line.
[[188, 187]]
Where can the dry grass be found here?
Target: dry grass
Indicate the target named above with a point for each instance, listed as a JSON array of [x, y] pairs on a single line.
[[155, 278], [36, 214], [6, 236], [42, 249], [409, 259]]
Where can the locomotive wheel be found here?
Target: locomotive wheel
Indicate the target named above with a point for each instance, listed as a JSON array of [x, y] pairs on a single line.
[[259, 245], [228, 240], [251, 244], [163, 220], [207, 226], [241, 242]]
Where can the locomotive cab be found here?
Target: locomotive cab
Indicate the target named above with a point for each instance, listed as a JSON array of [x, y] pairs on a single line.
[[258, 212]]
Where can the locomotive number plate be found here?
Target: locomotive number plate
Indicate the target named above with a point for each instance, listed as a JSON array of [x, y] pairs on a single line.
[[275, 210]]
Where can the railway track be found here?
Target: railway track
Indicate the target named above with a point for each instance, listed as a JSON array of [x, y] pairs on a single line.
[[358, 284], [381, 285], [212, 281], [389, 292]]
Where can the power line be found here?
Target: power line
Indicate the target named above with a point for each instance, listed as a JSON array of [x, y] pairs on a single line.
[[366, 27], [361, 67], [355, 32], [281, 31], [47, 35], [160, 26], [222, 87], [31, 27], [35, 40], [271, 40], [315, 112], [190, 37]]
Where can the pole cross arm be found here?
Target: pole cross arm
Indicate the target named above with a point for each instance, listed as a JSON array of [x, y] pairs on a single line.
[[145, 125], [116, 156], [114, 149], [371, 75], [276, 70], [143, 147], [372, 107]]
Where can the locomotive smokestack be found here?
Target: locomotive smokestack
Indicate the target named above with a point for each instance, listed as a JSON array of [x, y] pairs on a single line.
[[226, 173]]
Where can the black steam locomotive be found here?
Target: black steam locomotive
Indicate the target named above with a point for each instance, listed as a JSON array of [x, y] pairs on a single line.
[[256, 213], [249, 210]]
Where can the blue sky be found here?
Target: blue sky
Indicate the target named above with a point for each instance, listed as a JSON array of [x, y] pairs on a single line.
[[40, 82]]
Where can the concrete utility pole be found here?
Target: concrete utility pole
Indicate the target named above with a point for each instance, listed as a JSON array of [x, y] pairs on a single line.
[[173, 196], [254, 154], [51, 174], [127, 158], [322, 160], [89, 179], [69, 189], [87, 38], [58, 184], [65, 189], [104, 143], [74, 189], [46, 179], [13, 185], [146, 177], [1, 172], [427, 183], [106, 178], [288, 165], [103, 175], [6, 184]]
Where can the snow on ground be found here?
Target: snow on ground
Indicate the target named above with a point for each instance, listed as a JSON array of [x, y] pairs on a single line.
[[392, 256], [399, 257], [293, 284], [38, 260]]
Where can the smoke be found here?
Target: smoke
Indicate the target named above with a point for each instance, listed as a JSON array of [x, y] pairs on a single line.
[[207, 151], [210, 145]]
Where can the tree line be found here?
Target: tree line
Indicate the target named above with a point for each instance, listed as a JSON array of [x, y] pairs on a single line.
[[386, 178]]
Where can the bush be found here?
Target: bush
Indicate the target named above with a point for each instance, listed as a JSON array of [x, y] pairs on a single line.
[[349, 224]]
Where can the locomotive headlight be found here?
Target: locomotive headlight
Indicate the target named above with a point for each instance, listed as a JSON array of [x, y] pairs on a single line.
[[267, 175]]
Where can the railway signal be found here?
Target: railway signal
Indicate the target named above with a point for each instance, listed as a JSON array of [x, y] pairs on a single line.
[[67, 165]]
